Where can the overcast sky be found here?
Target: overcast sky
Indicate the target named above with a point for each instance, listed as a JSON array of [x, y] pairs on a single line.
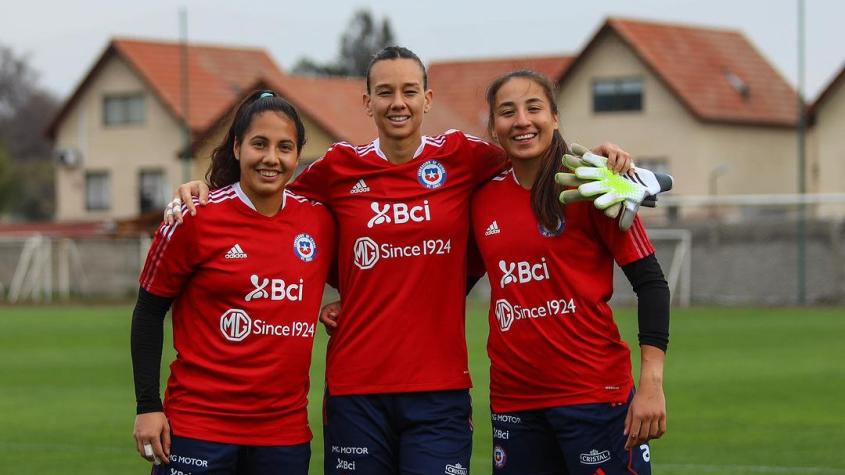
[[63, 39]]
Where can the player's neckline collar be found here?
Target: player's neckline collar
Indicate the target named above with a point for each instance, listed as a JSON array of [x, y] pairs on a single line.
[[515, 181], [380, 153], [245, 199]]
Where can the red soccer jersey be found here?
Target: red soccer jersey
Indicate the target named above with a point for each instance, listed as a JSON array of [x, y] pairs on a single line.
[[247, 290], [553, 341], [402, 241]]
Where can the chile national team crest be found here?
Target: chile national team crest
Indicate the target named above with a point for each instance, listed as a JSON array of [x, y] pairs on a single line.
[[500, 457], [305, 247], [548, 232], [431, 174]]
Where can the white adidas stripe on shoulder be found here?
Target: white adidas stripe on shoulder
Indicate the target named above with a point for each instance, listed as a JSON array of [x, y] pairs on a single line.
[[302, 199], [359, 149], [328, 150], [435, 141], [470, 137], [343, 144], [221, 191], [222, 194], [502, 176], [473, 138], [365, 149], [167, 230]]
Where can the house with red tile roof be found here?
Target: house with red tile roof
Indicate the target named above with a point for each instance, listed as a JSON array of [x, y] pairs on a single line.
[[118, 137], [699, 102], [462, 85], [332, 110], [120, 134], [826, 142]]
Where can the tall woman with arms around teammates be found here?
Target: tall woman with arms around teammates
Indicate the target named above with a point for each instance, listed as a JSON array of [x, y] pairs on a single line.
[[245, 278], [397, 398], [561, 389]]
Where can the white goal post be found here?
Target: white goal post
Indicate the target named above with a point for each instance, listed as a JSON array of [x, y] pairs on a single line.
[[680, 266]]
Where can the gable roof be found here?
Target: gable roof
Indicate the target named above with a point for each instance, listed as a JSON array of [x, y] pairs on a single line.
[[827, 92], [462, 84], [335, 105], [216, 76], [717, 74]]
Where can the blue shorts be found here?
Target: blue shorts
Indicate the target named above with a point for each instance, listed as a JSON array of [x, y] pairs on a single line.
[[585, 439], [409, 433], [192, 456]]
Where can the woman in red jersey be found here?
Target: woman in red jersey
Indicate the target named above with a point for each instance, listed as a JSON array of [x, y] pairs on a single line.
[[397, 380], [245, 278], [561, 390]]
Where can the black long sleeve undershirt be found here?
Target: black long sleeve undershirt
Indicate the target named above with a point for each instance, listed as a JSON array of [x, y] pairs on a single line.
[[652, 291], [147, 339]]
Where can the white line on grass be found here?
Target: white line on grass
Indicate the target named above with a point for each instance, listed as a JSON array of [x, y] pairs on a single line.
[[749, 469]]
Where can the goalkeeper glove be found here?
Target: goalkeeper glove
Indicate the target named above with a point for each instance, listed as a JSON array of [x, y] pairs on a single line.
[[621, 195]]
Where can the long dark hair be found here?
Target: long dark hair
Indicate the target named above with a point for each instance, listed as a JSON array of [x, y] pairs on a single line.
[[544, 194], [224, 168], [396, 52]]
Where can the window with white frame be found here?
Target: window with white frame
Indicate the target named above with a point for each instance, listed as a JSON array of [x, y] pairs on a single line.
[[617, 95], [97, 191], [152, 190], [123, 109]]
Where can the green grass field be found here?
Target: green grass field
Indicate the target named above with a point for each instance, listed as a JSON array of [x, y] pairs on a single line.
[[750, 391]]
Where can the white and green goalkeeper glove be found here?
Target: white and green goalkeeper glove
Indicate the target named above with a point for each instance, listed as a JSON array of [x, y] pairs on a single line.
[[617, 195]]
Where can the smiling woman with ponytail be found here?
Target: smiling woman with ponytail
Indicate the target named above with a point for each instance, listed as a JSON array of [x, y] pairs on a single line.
[[236, 395], [561, 388]]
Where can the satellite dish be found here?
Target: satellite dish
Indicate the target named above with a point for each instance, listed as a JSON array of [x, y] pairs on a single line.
[[68, 157]]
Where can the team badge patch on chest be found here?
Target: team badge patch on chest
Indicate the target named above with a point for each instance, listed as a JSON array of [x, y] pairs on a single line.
[[305, 247], [431, 174], [551, 233]]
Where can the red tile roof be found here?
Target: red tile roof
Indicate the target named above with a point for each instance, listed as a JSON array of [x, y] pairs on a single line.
[[697, 65], [462, 85], [216, 76], [335, 105]]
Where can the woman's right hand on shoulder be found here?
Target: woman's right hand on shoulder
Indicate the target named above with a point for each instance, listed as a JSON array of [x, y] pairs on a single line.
[[172, 213], [152, 437], [329, 315]]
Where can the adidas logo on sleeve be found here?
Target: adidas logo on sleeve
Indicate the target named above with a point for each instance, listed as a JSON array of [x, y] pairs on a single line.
[[360, 187], [236, 252], [492, 229]]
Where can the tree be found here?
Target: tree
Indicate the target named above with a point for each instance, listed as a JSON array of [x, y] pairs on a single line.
[[25, 112], [16, 80], [362, 38]]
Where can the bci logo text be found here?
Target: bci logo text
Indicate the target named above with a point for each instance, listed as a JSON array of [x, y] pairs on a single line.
[[398, 213], [278, 289], [522, 272]]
